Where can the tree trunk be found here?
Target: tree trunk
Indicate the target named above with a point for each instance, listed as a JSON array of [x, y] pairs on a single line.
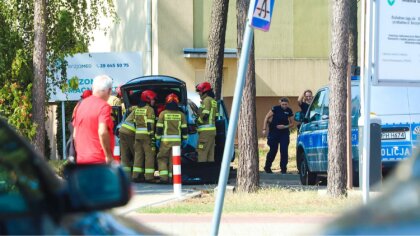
[[248, 175], [216, 47], [353, 33], [39, 67], [337, 106]]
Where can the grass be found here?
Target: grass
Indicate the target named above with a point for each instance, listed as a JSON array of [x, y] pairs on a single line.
[[263, 149], [292, 201], [57, 166]]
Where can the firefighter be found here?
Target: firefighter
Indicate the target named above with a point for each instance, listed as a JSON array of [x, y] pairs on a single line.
[[144, 145], [171, 130], [206, 123], [127, 134], [115, 98]]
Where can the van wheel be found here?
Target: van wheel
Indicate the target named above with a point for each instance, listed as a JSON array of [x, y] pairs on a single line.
[[355, 179], [306, 176]]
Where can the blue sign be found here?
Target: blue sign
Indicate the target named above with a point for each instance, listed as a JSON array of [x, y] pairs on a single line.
[[261, 18]]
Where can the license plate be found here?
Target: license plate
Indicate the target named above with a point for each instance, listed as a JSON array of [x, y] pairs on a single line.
[[393, 135]]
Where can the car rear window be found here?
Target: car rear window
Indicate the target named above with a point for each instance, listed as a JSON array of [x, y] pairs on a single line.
[[161, 90]]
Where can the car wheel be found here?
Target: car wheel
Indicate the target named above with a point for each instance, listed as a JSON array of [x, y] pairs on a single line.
[[306, 176], [355, 179]]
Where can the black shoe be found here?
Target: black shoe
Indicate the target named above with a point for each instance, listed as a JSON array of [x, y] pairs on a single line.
[[268, 170], [138, 180], [159, 181]]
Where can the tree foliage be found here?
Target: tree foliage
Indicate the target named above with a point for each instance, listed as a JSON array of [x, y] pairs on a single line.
[[69, 26]]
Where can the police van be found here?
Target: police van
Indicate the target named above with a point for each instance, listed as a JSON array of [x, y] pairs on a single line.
[[399, 111], [192, 171]]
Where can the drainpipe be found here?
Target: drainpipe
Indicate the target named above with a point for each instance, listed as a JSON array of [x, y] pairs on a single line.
[[149, 36]]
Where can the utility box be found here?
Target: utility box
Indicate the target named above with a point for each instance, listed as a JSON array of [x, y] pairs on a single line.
[[375, 161]]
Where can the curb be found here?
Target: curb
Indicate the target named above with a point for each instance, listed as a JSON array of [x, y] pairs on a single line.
[[171, 199]]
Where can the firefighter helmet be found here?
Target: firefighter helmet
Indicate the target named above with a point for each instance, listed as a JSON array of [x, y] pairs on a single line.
[[203, 87], [172, 98], [118, 90], [86, 93], [148, 96]]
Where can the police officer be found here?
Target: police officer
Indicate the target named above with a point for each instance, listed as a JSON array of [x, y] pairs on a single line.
[[144, 145], [206, 123], [304, 101], [171, 130], [280, 124], [127, 134]]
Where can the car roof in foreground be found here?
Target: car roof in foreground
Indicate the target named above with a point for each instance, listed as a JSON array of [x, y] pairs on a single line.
[[154, 78]]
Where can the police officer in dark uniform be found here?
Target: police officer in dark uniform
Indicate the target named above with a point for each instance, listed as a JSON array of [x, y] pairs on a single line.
[[279, 133]]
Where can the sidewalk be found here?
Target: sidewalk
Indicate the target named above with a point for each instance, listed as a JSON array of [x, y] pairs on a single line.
[[146, 195]]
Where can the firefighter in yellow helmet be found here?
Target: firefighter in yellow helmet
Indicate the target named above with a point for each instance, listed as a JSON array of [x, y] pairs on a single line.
[[144, 145], [206, 123], [127, 134], [171, 130]]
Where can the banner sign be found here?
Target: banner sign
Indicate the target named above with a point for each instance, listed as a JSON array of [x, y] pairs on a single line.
[[83, 67], [397, 36]]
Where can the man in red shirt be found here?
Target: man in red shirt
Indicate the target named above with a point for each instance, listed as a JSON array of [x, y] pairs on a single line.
[[93, 126]]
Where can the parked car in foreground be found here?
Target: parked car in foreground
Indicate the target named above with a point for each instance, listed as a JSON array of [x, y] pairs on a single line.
[[33, 200], [192, 172], [398, 109]]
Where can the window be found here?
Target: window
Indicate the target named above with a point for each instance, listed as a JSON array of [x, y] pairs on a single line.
[[316, 107], [20, 189], [326, 108]]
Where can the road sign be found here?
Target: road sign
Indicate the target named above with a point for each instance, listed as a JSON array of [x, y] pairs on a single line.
[[261, 18]]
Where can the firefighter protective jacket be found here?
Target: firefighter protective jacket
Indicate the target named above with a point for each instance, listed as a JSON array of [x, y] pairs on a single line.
[[128, 126], [207, 114], [171, 126], [145, 121]]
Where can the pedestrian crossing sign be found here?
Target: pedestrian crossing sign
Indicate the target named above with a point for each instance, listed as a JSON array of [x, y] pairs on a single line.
[[261, 18]]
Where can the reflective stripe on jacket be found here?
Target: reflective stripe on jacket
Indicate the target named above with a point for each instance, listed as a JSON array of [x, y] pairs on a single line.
[[171, 126], [145, 121], [207, 114], [128, 126]]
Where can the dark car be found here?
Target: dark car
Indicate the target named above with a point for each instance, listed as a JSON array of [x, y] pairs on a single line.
[[192, 171], [33, 200]]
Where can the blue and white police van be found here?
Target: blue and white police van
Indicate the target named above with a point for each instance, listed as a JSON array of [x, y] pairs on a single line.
[[399, 111]]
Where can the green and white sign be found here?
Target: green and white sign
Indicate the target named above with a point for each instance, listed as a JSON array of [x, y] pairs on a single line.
[[83, 67], [397, 40]]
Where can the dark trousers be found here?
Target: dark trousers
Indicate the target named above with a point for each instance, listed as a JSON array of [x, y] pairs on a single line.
[[273, 142]]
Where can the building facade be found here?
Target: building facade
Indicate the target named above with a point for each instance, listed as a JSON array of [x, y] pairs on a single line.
[[173, 36]]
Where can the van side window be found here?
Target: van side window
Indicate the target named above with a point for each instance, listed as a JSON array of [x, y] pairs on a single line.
[[315, 110], [326, 108]]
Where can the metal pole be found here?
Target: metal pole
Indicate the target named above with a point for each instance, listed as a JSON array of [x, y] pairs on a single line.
[[176, 173], [149, 36], [63, 122], [236, 104], [349, 133], [366, 81]]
